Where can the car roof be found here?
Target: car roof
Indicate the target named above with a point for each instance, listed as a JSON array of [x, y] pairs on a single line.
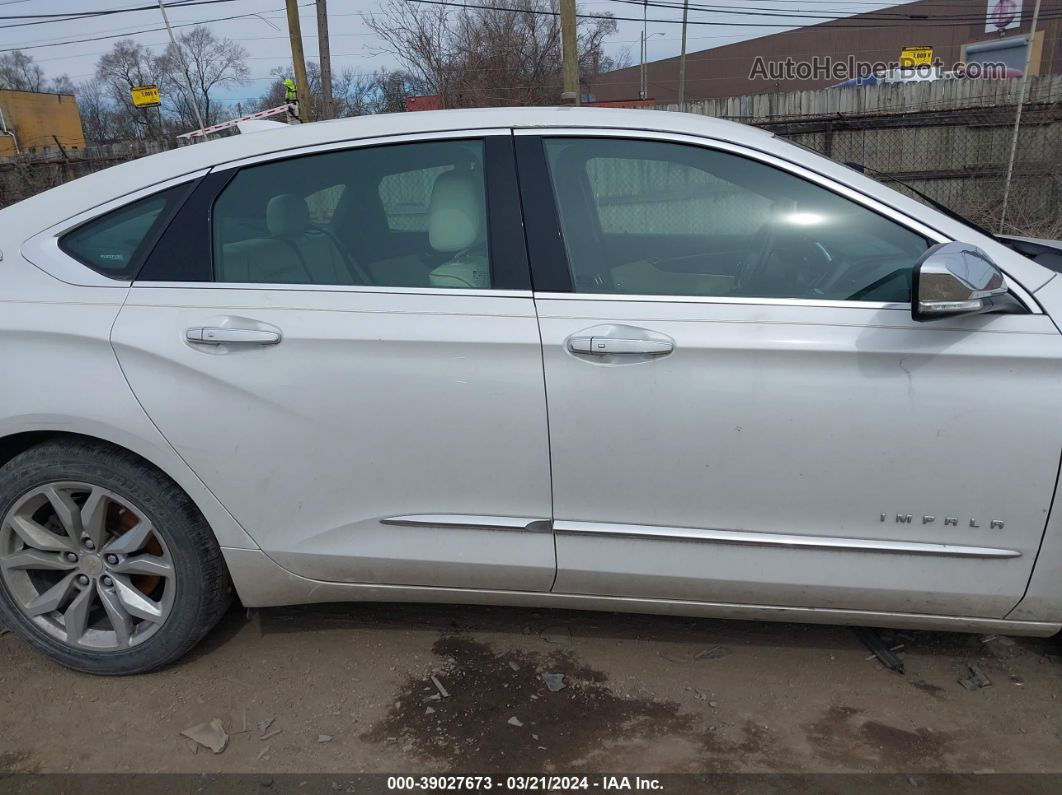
[[85, 193], [55, 207]]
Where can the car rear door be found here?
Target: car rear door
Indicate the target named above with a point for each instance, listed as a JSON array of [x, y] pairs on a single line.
[[342, 344], [741, 408]]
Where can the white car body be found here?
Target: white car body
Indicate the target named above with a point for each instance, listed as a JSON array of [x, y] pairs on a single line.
[[445, 445]]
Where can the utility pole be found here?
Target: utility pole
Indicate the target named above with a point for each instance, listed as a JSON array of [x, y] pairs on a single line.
[[682, 58], [302, 85], [641, 65], [1017, 115], [327, 112], [569, 52], [184, 67], [643, 87]]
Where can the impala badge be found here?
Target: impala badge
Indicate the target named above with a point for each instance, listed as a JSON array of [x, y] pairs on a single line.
[[949, 521]]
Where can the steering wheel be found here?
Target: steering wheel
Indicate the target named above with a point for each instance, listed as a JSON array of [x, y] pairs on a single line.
[[754, 265], [801, 264]]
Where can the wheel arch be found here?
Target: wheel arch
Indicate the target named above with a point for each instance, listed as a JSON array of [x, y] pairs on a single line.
[[226, 529]]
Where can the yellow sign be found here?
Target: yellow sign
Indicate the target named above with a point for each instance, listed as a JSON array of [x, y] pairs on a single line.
[[145, 96], [913, 57]]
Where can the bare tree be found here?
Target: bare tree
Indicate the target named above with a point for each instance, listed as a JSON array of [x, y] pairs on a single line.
[[19, 72], [353, 93], [391, 88], [130, 64], [508, 54], [62, 85], [98, 116], [206, 63]]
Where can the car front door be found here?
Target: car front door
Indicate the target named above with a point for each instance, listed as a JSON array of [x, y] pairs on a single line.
[[348, 356], [741, 408]]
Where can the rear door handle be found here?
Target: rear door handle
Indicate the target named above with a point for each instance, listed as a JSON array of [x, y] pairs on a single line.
[[221, 335], [610, 346]]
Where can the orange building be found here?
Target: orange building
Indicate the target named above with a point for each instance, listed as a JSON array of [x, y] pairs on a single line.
[[35, 122]]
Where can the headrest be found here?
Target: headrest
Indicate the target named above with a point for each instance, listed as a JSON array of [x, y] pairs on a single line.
[[287, 214], [456, 213]]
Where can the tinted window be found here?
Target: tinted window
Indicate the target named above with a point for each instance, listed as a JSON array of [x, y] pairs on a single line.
[[115, 244], [323, 204], [405, 197], [408, 215], [650, 218]]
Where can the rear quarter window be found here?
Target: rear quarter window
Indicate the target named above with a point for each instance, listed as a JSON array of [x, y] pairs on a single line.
[[116, 243]]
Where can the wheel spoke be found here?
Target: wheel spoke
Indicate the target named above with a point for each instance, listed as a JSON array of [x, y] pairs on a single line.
[[76, 616], [93, 516], [52, 598], [131, 540], [69, 558], [34, 559], [135, 602], [66, 511], [38, 536], [151, 565], [120, 620]]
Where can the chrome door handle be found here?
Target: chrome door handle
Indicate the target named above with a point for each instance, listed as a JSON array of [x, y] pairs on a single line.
[[610, 346], [220, 335]]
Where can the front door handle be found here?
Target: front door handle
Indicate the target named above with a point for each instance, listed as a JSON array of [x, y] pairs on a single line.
[[611, 346], [221, 335]]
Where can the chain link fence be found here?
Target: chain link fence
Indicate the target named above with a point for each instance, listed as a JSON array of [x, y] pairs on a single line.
[[958, 157], [951, 140]]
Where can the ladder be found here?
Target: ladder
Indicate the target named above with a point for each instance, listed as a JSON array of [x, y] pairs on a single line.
[[194, 135]]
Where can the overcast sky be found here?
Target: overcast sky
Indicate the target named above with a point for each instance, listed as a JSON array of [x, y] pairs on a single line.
[[265, 35]]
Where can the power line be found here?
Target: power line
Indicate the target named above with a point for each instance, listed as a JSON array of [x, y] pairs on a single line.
[[138, 32], [71, 16], [757, 11], [540, 12], [135, 28]]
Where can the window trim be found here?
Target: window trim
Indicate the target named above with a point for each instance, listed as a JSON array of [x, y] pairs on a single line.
[[138, 256], [533, 158], [508, 254], [44, 251], [188, 231]]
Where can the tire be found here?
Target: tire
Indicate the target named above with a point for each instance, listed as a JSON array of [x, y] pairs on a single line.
[[130, 567]]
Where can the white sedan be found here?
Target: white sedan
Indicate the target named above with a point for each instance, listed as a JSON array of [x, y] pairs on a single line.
[[583, 358]]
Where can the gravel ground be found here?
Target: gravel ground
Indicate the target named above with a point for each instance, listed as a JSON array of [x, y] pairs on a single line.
[[349, 688]]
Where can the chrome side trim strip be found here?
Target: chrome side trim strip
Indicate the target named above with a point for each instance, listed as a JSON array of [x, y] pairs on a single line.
[[722, 299], [333, 288], [469, 521], [778, 540]]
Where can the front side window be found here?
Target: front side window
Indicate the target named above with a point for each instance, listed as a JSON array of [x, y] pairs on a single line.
[[404, 215], [655, 218], [114, 244]]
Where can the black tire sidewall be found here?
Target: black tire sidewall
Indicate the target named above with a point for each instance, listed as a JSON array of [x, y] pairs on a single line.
[[189, 540]]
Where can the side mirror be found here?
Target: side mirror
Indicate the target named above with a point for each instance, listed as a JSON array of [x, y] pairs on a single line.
[[954, 279]]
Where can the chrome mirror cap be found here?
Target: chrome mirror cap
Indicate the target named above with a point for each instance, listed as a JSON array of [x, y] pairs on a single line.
[[954, 279]]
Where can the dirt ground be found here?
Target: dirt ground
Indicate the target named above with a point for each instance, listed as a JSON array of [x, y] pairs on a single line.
[[348, 688]]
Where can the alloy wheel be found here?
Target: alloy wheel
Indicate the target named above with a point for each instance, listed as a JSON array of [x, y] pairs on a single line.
[[86, 566]]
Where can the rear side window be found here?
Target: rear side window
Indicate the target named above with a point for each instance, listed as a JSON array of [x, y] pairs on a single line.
[[115, 244], [406, 215], [405, 197]]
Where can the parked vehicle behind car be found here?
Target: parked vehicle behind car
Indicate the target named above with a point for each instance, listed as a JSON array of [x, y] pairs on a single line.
[[582, 358]]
